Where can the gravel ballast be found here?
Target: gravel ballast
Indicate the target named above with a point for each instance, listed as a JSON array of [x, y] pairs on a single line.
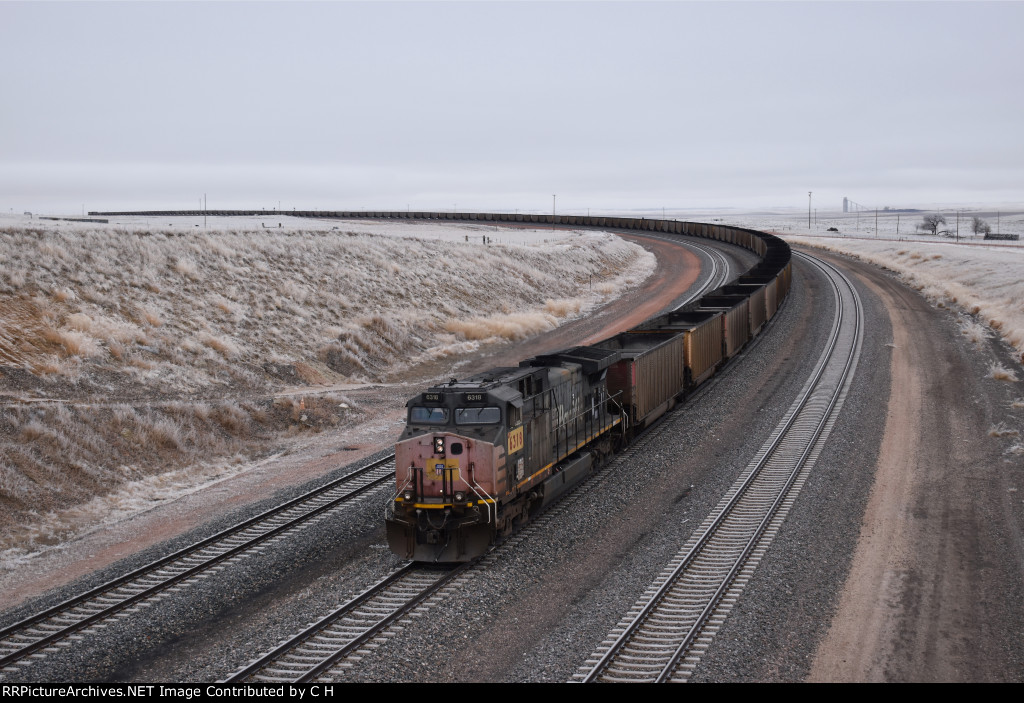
[[540, 604]]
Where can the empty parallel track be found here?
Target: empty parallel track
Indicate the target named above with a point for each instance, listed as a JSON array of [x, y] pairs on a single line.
[[719, 272], [339, 636], [663, 637], [43, 632]]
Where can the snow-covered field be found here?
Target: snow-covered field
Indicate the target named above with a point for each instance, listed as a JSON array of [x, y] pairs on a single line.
[[159, 355], [985, 282], [983, 279], [450, 232]]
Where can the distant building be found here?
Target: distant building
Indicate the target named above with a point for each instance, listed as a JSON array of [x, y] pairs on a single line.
[[846, 205]]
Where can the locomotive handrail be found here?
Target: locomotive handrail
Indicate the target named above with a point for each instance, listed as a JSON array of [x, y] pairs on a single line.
[[391, 503], [562, 429], [486, 500], [590, 409]]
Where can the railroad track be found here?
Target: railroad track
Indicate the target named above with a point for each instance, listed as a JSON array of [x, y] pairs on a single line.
[[67, 622], [337, 640], [664, 635], [718, 271]]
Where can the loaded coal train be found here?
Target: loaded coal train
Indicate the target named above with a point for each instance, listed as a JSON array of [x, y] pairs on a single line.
[[480, 456]]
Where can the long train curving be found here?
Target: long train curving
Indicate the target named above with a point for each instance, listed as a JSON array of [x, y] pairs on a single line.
[[481, 455]]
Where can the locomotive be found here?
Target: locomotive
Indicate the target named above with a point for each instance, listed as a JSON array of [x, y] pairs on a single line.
[[482, 455]]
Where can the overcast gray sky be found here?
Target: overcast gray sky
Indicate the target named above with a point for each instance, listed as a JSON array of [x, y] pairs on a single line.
[[500, 105]]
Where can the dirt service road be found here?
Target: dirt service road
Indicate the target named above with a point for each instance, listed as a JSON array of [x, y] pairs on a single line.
[[936, 585]]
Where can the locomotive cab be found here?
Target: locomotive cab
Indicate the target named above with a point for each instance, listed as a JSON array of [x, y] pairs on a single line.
[[451, 465]]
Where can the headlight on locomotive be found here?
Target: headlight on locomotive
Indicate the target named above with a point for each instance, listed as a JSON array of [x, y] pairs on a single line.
[[460, 497], [408, 495]]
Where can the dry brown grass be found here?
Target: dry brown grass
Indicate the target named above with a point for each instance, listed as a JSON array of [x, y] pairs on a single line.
[[1001, 430], [1001, 373], [286, 294], [153, 318], [509, 327], [187, 267], [164, 322], [308, 374], [48, 367], [975, 332], [57, 455], [74, 343], [79, 321], [564, 307], [223, 345]]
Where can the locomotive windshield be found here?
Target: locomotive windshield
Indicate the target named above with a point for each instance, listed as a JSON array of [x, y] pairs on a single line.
[[428, 416], [477, 416]]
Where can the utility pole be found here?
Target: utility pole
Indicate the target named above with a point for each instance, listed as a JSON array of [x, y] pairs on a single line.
[[808, 211], [553, 198], [957, 226], [204, 210], [876, 222]]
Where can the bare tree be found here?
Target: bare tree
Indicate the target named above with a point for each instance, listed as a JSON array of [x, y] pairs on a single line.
[[979, 226], [932, 222]]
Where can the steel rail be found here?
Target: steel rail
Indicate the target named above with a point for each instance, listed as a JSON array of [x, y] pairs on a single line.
[[45, 628], [773, 510], [739, 493], [319, 647], [719, 274]]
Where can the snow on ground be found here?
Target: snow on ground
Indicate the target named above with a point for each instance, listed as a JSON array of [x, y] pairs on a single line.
[[982, 278], [435, 230], [986, 282]]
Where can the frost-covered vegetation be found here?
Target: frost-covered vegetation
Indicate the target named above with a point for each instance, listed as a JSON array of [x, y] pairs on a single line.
[[178, 313], [127, 352], [987, 283]]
